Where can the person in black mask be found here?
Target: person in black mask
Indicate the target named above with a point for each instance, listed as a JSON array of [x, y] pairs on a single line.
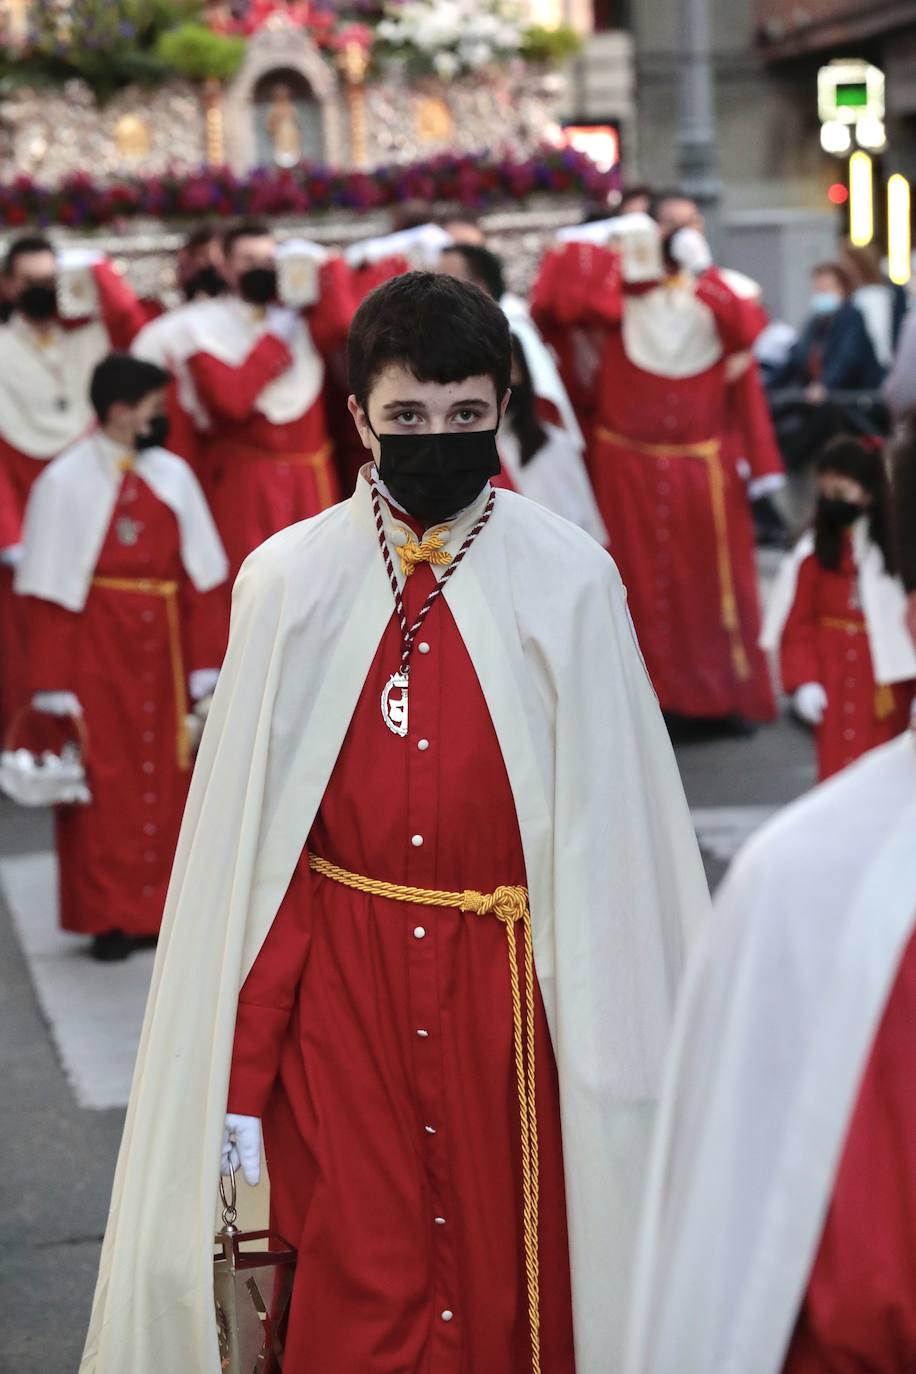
[[837, 613], [122, 578], [200, 264]]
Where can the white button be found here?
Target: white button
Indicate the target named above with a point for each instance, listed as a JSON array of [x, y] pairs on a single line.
[[149, 891], [423, 745], [150, 856], [148, 736], [149, 768], [416, 841], [447, 1315], [149, 707], [423, 648], [149, 798], [849, 734], [440, 1221], [430, 1130], [423, 1034], [418, 932]]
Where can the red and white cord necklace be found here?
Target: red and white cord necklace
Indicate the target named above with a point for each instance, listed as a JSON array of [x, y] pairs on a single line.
[[394, 709]]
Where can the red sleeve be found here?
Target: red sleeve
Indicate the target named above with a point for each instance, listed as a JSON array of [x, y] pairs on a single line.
[[859, 1311], [123, 315], [755, 425], [10, 521], [267, 998], [799, 661], [739, 318], [231, 393], [330, 319], [51, 641], [578, 283], [206, 622]]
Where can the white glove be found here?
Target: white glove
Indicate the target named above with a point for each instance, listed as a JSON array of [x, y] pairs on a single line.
[[810, 703], [57, 703], [282, 323], [201, 683], [689, 250], [242, 1147], [76, 259], [11, 556], [305, 248]]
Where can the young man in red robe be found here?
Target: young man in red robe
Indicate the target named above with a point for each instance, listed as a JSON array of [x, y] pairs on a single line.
[[430, 898], [256, 370], [46, 362], [665, 479], [837, 614], [120, 562]]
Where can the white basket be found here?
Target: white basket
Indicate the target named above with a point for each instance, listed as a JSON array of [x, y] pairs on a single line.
[[46, 779]]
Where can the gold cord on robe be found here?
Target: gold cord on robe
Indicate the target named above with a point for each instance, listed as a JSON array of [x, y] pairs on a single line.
[[509, 905], [431, 551]]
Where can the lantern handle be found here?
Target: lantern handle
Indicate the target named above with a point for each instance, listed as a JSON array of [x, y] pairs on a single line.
[[230, 1212]]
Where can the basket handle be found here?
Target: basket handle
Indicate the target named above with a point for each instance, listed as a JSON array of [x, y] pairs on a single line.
[[79, 724]]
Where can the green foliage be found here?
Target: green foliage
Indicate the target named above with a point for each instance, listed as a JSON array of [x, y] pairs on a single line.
[[196, 52], [550, 45]]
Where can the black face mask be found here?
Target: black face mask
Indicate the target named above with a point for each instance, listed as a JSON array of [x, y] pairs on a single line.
[[258, 286], [206, 281], [835, 514], [433, 476], [155, 434], [38, 302]]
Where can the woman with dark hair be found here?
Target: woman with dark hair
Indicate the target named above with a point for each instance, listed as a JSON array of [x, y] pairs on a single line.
[[542, 460], [837, 614]]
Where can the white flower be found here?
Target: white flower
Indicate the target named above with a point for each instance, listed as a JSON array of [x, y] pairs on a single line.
[[446, 64]]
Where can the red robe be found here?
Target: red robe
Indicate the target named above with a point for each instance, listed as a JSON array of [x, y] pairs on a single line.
[[669, 493], [859, 1312], [122, 658], [824, 640], [122, 315], [261, 477], [364, 1022], [751, 437]]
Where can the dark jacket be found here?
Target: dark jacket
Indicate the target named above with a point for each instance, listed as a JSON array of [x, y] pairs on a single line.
[[841, 343]]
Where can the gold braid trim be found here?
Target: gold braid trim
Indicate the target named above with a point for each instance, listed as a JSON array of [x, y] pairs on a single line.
[[432, 550], [509, 905]]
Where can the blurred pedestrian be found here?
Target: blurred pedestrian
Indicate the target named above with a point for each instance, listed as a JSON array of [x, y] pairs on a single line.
[[120, 565], [836, 614], [834, 351]]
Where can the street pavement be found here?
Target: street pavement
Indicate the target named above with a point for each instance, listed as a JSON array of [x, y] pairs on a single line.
[[68, 1032]]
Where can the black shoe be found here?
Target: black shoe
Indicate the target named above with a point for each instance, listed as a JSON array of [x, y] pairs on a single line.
[[111, 947]]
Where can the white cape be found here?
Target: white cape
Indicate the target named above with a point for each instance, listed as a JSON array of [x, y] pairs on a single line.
[[779, 1011], [556, 477], [546, 381], [612, 863], [70, 509], [33, 379], [893, 655]]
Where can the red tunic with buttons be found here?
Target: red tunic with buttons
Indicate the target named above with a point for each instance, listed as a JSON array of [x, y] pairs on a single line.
[[680, 527], [375, 1040], [259, 476], [859, 1312], [824, 640], [121, 656]]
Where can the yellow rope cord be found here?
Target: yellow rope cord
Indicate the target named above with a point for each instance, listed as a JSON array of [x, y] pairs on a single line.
[[152, 586], [708, 451], [509, 905], [836, 622], [430, 551]]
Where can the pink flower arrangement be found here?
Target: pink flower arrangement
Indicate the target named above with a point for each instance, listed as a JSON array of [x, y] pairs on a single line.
[[475, 180]]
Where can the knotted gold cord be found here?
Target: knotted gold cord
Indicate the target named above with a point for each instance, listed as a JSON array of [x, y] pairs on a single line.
[[151, 586], [509, 905], [432, 551], [708, 451]]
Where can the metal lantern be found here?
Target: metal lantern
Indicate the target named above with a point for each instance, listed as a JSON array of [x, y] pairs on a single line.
[[252, 1289]]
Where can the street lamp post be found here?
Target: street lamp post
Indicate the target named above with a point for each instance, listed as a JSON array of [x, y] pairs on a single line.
[[697, 161]]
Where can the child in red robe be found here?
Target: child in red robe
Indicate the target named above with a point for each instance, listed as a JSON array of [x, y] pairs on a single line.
[[837, 615]]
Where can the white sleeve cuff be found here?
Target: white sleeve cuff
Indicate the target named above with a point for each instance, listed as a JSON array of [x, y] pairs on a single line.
[[11, 556], [762, 486], [57, 703]]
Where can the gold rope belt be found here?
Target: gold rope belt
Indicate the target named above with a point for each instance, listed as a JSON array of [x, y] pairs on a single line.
[[708, 451], [885, 702], [318, 460], [151, 586], [509, 905]]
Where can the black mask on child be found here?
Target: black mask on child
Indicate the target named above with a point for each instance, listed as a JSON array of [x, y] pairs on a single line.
[[38, 302], [155, 434], [258, 286], [836, 514], [206, 281], [433, 476]]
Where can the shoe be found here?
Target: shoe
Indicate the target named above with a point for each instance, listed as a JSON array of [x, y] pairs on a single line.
[[111, 947]]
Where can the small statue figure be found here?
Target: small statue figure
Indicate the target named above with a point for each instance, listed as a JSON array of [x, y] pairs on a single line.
[[283, 126]]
